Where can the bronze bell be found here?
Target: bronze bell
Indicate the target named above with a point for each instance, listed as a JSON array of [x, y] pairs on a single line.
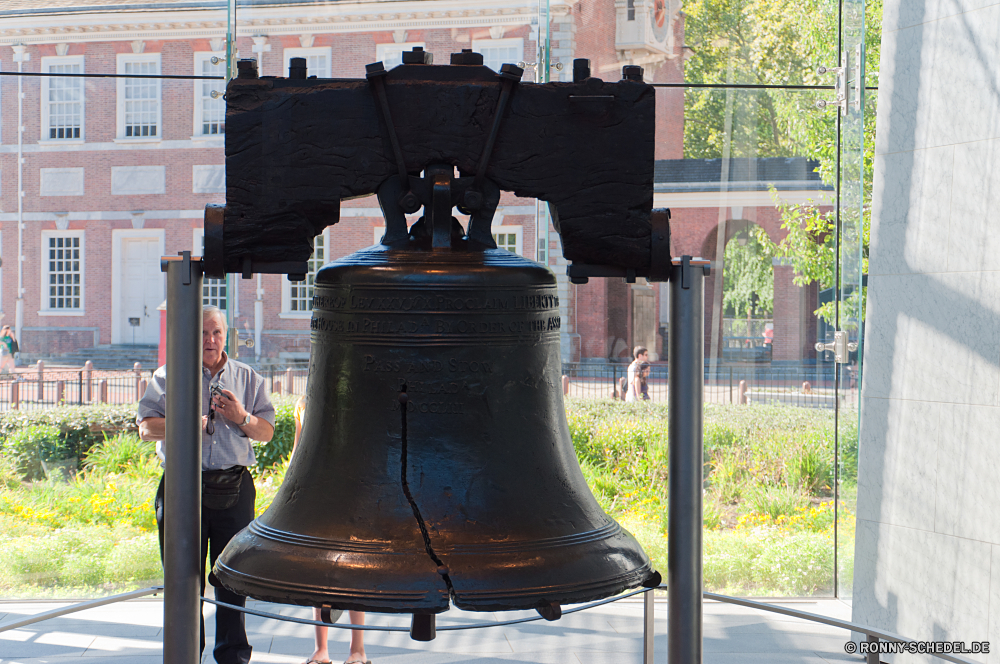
[[435, 462]]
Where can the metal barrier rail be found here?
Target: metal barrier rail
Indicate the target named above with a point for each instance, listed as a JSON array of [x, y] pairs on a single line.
[[51, 389], [83, 606], [730, 383], [874, 635]]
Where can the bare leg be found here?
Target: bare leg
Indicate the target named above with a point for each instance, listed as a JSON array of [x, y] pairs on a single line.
[[357, 653], [320, 654]]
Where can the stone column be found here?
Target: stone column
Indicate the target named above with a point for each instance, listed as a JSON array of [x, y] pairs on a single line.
[[927, 557]]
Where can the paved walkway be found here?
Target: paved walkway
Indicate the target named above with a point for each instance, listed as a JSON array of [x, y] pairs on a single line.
[[612, 634]]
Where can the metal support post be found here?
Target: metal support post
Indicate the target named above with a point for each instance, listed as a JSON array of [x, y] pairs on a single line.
[[648, 627], [182, 499], [687, 374], [872, 657]]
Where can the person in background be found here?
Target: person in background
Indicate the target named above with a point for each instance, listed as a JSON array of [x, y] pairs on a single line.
[[321, 655], [641, 355], [8, 346], [235, 410], [644, 370]]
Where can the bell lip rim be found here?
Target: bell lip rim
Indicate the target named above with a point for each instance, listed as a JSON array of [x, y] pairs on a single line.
[[464, 600], [608, 531]]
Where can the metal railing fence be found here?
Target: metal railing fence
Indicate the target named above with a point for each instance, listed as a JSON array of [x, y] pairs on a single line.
[[39, 388], [807, 385], [42, 389]]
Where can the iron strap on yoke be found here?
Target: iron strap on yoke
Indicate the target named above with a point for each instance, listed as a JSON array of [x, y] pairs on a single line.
[[472, 197]]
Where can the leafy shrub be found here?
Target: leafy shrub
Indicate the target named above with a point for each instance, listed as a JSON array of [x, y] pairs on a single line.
[[849, 446], [119, 454], [10, 478], [774, 501], [30, 446], [768, 445], [635, 449], [796, 564], [81, 427], [805, 518], [271, 453], [728, 560], [727, 475], [768, 561], [810, 466], [711, 515], [89, 499]]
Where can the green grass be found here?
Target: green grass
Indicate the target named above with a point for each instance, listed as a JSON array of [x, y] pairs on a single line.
[[75, 560], [768, 510]]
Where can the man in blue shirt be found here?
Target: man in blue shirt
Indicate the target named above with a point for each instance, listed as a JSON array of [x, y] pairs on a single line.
[[235, 410]]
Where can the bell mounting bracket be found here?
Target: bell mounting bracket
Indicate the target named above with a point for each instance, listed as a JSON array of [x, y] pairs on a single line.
[[439, 191]]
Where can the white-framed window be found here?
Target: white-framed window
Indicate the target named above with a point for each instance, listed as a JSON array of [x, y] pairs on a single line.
[[62, 271], [498, 52], [213, 291], [296, 296], [317, 60], [62, 99], [509, 238], [542, 255], [139, 107], [391, 55], [209, 112]]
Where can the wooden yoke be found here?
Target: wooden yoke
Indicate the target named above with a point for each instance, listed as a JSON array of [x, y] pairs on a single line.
[[296, 147]]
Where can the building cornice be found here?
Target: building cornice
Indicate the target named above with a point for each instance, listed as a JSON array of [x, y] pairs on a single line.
[[271, 21]]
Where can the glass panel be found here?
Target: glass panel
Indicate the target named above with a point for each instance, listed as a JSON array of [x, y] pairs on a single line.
[[746, 172], [744, 42], [115, 172], [741, 42], [855, 181], [756, 177]]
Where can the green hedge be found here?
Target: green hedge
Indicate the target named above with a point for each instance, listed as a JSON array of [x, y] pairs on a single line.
[[33, 445], [80, 427], [73, 431], [271, 453]]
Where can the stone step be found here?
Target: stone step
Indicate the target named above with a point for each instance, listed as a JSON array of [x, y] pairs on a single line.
[[118, 356]]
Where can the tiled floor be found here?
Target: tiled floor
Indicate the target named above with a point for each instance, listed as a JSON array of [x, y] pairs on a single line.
[[612, 634]]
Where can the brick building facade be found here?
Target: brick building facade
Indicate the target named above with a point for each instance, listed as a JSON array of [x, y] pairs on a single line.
[[116, 172]]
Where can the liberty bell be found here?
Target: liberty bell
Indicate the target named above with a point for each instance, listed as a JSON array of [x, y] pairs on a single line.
[[435, 464]]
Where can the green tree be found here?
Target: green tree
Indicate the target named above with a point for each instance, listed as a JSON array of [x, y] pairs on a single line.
[[810, 240], [748, 281], [756, 42], [777, 42]]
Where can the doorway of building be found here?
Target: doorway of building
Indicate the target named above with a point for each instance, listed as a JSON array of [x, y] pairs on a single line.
[[142, 291]]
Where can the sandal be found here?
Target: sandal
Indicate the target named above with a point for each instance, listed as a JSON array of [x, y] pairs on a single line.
[[319, 661], [357, 661]]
